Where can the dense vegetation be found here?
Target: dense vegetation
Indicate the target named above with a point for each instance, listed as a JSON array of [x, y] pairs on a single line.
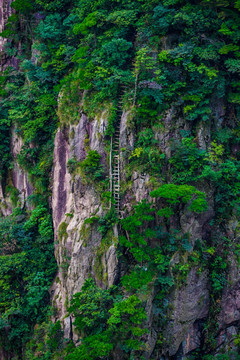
[[174, 56]]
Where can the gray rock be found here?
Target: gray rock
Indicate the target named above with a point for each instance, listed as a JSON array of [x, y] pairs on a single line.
[[189, 304]]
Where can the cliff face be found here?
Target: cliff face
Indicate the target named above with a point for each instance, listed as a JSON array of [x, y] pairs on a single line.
[[77, 243], [17, 178], [76, 246], [5, 11], [192, 316], [73, 202]]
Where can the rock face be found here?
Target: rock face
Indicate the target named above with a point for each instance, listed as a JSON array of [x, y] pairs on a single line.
[[76, 243], [189, 304], [5, 11], [17, 179]]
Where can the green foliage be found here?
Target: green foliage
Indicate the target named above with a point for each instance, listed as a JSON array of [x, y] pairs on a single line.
[[125, 322], [111, 121], [187, 161], [147, 156], [173, 54], [90, 308], [174, 194], [106, 223], [46, 341], [91, 166], [218, 268], [13, 193], [27, 267], [191, 165], [106, 321]]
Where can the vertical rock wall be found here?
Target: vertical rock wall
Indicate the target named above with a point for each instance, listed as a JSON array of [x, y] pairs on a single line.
[[17, 178], [76, 245], [74, 201], [5, 11]]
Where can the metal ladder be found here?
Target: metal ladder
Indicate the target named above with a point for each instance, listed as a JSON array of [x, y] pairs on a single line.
[[115, 164]]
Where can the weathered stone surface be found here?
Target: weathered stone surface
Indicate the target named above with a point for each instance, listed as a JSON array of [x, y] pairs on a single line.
[[61, 178], [189, 304], [139, 187], [76, 251], [17, 177], [230, 306], [5, 12], [126, 135], [5, 203], [73, 202], [225, 341]]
